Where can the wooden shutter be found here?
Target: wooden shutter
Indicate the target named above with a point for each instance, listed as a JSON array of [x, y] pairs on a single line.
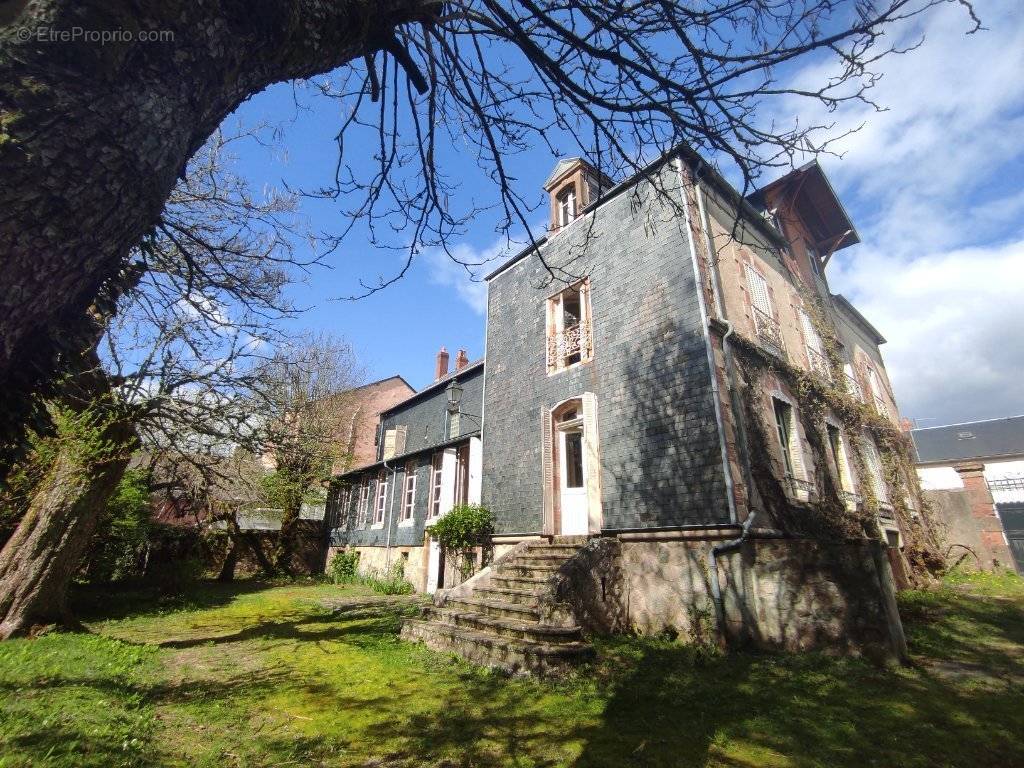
[[389, 444], [454, 424], [400, 436], [547, 455], [874, 462], [758, 286], [592, 454]]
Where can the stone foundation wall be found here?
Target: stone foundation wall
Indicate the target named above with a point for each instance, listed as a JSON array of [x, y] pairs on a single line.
[[970, 520], [788, 594], [375, 559]]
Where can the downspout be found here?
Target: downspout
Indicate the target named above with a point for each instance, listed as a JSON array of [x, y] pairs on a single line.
[[391, 511], [730, 363], [716, 396], [716, 585]]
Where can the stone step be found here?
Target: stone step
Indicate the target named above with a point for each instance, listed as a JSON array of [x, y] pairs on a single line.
[[566, 550], [510, 594], [507, 580], [500, 608], [528, 569], [510, 628], [537, 558], [517, 656]]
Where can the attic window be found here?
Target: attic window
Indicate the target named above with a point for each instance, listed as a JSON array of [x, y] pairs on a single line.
[[566, 205]]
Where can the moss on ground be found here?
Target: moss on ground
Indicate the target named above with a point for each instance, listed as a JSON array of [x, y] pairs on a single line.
[[260, 675]]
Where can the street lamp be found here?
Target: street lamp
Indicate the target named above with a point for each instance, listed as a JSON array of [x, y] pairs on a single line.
[[454, 396]]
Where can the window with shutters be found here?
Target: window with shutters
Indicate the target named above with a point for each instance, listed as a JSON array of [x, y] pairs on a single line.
[[852, 385], [875, 385], [409, 493], [789, 445], [767, 328], [837, 448], [389, 445], [436, 465], [454, 425], [569, 327], [380, 503], [873, 466], [816, 358]]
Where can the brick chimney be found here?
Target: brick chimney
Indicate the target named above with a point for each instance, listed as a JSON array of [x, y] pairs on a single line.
[[461, 361], [441, 369]]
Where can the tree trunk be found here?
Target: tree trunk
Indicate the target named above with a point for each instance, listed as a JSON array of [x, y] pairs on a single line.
[[227, 570], [93, 136], [286, 539], [39, 560]]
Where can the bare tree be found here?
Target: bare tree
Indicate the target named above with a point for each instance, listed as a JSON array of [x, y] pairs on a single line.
[[93, 136], [306, 386], [176, 370]]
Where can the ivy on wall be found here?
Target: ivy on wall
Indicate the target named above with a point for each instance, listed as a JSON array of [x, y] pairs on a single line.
[[829, 516]]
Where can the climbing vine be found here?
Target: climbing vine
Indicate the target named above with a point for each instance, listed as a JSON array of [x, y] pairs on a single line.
[[829, 515]]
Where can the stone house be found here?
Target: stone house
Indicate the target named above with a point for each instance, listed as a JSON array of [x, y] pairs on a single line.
[[972, 474], [647, 452]]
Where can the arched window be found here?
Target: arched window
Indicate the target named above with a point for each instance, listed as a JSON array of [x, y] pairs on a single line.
[[566, 205]]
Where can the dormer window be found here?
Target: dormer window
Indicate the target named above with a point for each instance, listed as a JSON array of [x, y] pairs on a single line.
[[566, 205]]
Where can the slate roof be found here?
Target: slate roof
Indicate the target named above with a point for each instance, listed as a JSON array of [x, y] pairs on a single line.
[[972, 440]]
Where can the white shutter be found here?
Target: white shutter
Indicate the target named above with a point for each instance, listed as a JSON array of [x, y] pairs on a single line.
[[758, 286], [874, 462], [454, 425], [811, 333], [400, 437], [547, 471], [592, 458]]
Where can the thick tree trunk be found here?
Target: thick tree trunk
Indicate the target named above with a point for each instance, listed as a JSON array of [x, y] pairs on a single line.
[[227, 570], [39, 560], [93, 135]]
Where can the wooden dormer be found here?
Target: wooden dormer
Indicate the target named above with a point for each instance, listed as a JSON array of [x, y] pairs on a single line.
[[573, 185]]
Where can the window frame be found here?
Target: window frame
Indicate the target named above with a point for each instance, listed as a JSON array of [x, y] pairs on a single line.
[[555, 328], [380, 500], [436, 485], [408, 510], [567, 205], [363, 508]]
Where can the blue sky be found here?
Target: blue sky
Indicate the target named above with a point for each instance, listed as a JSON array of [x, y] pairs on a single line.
[[934, 186]]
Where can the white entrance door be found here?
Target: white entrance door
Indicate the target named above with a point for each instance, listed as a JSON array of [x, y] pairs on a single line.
[[572, 477]]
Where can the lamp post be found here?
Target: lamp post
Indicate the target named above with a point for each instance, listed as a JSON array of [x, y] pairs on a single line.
[[454, 396]]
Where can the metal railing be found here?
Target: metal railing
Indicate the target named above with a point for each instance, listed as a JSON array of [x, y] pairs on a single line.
[[853, 387], [798, 487], [1007, 484], [571, 341], [769, 331], [851, 498], [819, 364]]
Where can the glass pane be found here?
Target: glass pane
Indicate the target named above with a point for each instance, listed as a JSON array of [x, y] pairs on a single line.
[[573, 459], [571, 308]]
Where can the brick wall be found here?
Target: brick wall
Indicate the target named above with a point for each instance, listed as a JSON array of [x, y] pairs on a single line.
[[366, 405], [661, 464]]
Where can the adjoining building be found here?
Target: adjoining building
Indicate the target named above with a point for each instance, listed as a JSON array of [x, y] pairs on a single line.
[[973, 476], [428, 459], [676, 415]]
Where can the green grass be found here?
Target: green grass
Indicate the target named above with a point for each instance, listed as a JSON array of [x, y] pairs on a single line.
[[261, 675]]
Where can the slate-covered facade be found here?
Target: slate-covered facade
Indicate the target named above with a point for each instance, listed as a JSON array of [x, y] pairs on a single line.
[[609, 401]]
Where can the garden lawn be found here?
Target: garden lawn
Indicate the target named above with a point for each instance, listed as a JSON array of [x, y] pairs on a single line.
[[259, 675]]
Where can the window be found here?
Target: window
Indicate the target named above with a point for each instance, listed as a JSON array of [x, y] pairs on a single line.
[[569, 331], [784, 426], [816, 358], [409, 492], [873, 464], [814, 258], [852, 385], [766, 326], [394, 442], [876, 392], [574, 459], [381, 499], [454, 424], [436, 465], [364, 503], [566, 205], [838, 449]]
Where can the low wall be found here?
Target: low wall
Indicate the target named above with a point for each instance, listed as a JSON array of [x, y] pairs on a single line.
[[377, 561], [790, 594], [972, 528]]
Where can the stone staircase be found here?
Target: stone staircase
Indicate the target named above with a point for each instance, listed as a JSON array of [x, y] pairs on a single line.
[[506, 616]]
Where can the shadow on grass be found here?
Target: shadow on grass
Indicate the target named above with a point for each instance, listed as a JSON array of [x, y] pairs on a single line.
[[133, 599]]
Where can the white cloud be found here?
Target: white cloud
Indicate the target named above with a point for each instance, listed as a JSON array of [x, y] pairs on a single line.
[[933, 186], [466, 267]]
